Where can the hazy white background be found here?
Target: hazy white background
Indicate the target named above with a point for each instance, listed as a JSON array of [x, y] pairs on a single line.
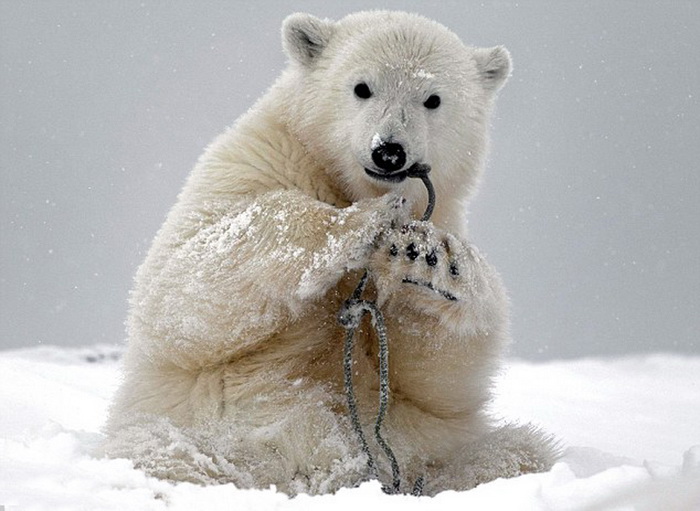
[[590, 206]]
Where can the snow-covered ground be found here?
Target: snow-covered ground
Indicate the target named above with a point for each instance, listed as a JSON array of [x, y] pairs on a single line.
[[629, 426]]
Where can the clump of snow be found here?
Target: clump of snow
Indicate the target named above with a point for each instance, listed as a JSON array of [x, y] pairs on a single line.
[[422, 73], [230, 229], [631, 425], [376, 141]]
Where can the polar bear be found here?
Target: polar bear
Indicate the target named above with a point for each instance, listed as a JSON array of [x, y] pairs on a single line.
[[234, 366]]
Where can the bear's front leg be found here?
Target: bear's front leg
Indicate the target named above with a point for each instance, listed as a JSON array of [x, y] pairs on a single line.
[[222, 279], [447, 326]]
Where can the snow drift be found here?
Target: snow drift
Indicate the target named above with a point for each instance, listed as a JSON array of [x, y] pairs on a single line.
[[629, 426]]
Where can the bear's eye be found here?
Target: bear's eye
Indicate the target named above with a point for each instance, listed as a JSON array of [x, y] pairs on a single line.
[[362, 91], [432, 102]]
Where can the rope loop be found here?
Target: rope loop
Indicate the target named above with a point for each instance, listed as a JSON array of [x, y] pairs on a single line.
[[350, 316]]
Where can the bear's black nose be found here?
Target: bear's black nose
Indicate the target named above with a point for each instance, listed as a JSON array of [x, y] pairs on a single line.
[[389, 157]]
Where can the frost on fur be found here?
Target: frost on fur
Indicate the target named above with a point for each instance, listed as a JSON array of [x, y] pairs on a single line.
[[234, 365]]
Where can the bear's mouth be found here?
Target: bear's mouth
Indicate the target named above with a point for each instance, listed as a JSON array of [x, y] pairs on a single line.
[[395, 177]]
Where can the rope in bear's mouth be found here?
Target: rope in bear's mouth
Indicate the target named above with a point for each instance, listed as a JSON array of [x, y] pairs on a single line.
[[350, 316]]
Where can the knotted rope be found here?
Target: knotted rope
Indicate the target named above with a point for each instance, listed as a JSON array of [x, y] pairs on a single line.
[[350, 317]]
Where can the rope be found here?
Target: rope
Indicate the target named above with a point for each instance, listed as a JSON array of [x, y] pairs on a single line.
[[421, 170], [350, 317]]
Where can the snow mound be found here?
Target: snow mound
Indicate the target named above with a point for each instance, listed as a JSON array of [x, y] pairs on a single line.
[[631, 424]]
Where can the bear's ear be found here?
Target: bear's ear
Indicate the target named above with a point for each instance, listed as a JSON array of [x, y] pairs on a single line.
[[304, 37], [494, 66]]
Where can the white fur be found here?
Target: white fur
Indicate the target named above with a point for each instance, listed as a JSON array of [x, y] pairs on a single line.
[[234, 365]]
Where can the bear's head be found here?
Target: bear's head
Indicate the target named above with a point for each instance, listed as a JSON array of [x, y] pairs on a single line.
[[377, 92]]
